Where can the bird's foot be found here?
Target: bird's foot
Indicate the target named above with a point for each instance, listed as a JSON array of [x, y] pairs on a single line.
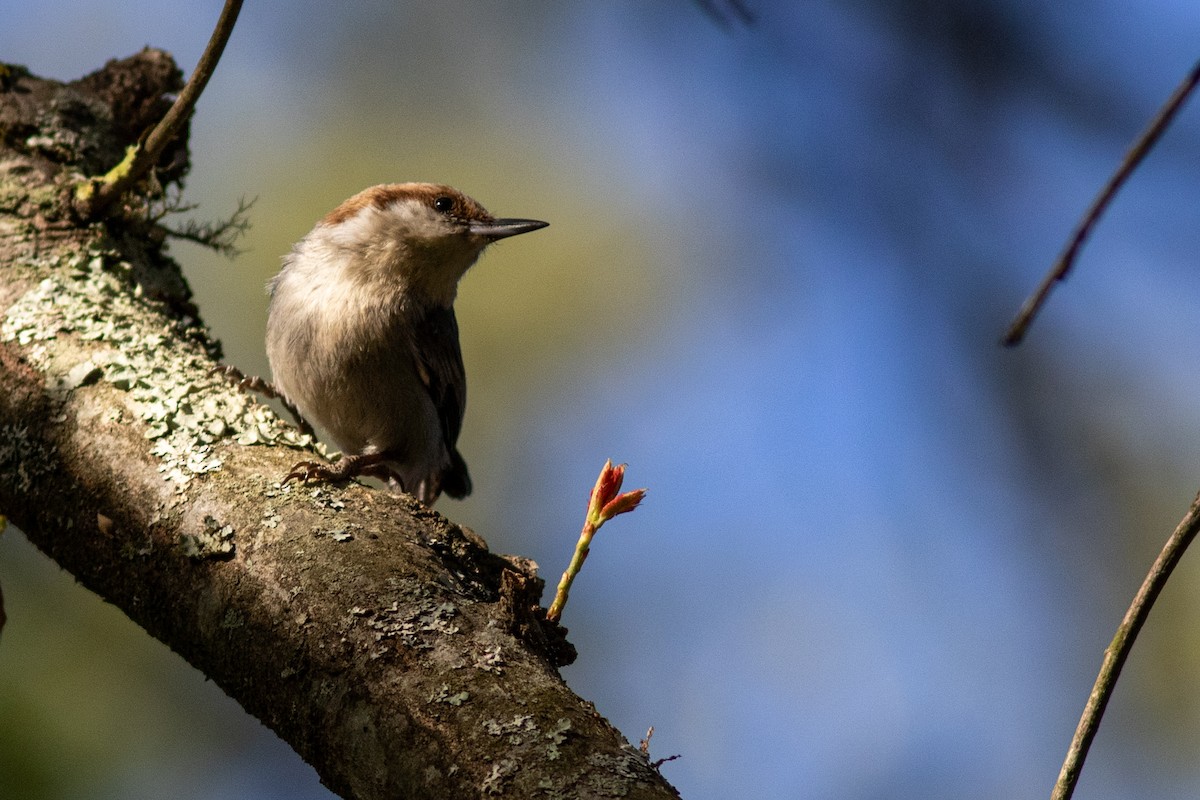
[[370, 465]]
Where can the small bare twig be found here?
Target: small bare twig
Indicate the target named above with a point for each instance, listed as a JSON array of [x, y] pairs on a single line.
[[1062, 266], [1118, 650], [94, 195], [220, 236], [644, 748]]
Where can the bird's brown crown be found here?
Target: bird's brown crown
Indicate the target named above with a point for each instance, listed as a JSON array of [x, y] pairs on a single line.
[[441, 198]]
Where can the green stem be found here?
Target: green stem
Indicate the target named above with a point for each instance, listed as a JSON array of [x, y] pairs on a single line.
[[568, 577], [94, 195], [1118, 650]]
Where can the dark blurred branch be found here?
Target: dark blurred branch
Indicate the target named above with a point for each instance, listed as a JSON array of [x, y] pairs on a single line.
[[1062, 266], [94, 195], [384, 643], [1118, 650], [3, 618], [726, 13]]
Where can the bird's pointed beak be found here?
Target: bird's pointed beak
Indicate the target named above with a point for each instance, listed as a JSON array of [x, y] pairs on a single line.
[[503, 228]]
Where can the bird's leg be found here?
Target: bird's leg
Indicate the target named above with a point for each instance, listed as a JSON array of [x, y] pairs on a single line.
[[266, 389], [370, 465]]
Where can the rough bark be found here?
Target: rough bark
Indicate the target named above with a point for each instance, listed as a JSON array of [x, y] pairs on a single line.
[[383, 642]]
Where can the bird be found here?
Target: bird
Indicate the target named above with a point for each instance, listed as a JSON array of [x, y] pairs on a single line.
[[362, 338]]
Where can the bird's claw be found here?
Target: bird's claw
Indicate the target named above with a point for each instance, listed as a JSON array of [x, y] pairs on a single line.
[[243, 381], [370, 465], [306, 471]]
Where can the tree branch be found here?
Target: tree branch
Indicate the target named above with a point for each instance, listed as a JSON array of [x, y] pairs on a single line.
[[382, 641]]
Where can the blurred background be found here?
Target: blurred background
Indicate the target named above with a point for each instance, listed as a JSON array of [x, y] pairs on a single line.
[[881, 555]]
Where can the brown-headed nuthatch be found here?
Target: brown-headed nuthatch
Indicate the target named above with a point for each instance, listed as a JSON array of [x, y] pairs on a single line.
[[362, 337]]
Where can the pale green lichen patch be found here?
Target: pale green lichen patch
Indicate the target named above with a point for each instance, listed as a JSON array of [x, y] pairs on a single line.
[[23, 459], [233, 620], [444, 695], [556, 736], [323, 499], [515, 729], [214, 540], [501, 772], [521, 729], [271, 518], [491, 660], [185, 410], [616, 772], [611, 775], [414, 626]]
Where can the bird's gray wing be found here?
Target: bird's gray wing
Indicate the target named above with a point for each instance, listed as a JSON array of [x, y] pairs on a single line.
[[438, 358]]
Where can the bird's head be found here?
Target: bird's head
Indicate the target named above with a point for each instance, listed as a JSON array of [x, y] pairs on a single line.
[[424, 236]]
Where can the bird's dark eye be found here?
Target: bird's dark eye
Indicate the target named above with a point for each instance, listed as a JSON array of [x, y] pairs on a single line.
[[444, 204]]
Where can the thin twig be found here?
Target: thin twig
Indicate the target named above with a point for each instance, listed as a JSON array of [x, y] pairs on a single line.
[[94, 195], [1118, 650], [220, 236], [1066, 260]]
